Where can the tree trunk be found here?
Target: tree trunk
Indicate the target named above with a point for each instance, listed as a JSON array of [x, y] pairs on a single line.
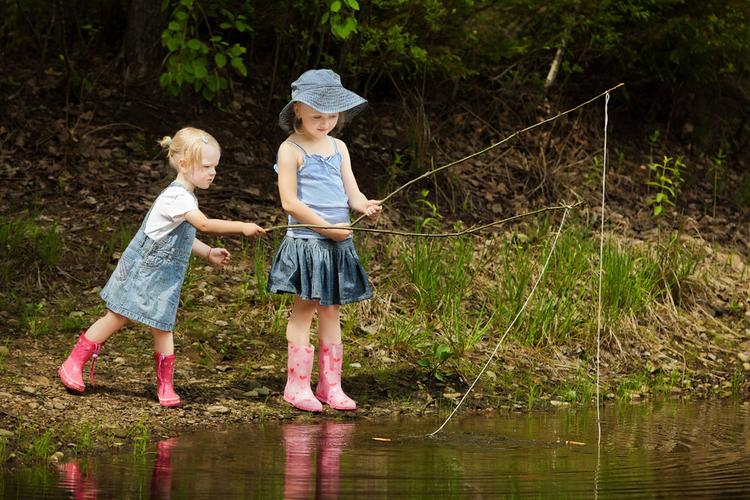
[[141, 46]]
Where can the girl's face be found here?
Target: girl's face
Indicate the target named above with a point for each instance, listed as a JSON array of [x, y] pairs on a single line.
[[202, 174], [314, 122]]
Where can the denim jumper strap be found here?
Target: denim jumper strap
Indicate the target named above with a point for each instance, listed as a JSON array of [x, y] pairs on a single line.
[[145, 286]]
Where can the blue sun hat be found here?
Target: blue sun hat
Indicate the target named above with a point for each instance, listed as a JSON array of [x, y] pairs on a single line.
[[321, 89]]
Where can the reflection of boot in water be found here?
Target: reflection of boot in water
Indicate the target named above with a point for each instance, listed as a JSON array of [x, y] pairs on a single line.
[[299, 443], [334, 438], [161, 481], [73, 481]]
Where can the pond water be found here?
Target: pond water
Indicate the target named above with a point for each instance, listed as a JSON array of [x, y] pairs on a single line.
[[660, 449]]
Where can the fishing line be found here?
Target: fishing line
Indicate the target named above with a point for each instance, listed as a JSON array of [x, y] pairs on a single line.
[[520, 311], [599, 305]]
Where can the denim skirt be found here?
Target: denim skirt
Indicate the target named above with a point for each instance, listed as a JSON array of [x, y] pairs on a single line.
[[319, 269], [147, 281]]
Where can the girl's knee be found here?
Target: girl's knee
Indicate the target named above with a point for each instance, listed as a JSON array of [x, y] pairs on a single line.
[[328, 312], [116, 318]]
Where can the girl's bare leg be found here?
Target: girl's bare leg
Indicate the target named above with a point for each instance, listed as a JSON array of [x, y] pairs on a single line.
[[298, 328], [105, 327]]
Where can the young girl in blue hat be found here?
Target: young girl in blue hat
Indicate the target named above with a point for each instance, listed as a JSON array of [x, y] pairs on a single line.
[[319, 266], [145, 286]]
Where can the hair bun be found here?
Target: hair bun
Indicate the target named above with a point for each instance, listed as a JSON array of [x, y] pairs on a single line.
[[165, 142]]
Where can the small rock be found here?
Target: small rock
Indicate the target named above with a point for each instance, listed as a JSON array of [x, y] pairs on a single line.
[[355, 365], [119, 360], [56, 456], [28, 389], [40, 380], [120, 432], [491, 374], [263, 391], [452, 395], [59, 405], [555, 402], [217, 409], [220, 322], [744, 357], [33, 405], [223, 368], [746, 367], [4, 433], [250, 394], [4, 396]]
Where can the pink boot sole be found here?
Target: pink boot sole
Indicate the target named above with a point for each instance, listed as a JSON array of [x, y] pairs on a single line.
[[69, 382]]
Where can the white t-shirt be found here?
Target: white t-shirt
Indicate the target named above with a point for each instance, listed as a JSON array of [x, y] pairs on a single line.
[[169, 211]]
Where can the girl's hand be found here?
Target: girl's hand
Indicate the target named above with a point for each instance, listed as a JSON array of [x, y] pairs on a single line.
[[338, 234], [218, 257], [251, 230], [373, 209]]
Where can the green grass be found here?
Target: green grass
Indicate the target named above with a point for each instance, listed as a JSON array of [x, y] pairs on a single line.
[[42, 446], [30, 247]]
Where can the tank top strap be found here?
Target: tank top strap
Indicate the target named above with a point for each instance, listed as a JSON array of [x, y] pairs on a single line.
[[335, 145], [300, 147]]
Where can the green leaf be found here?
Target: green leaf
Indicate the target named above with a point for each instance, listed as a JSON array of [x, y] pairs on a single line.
[[658, 210], [194, 44], [181, 15], [352, 4], [239, 66], [199, 69], [220, 59], [335, 6], [443, 352], [174, 26], [173, 43]]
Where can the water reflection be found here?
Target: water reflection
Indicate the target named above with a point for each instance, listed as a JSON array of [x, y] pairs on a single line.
[[303, 443], [665, 449], [79, 479]]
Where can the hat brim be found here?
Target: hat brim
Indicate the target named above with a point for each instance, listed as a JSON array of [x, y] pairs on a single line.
[[324, 100]]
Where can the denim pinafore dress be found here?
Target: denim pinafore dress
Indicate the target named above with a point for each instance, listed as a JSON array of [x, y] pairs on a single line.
[[307, 263], [145, 286]]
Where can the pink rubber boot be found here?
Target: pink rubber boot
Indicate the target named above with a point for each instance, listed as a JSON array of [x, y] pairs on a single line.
[[299, 367], [330, 359], [71, 371], [164, 374]]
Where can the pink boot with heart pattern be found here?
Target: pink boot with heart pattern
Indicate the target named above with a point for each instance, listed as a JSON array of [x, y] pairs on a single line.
[[299, 367], [330, 360]]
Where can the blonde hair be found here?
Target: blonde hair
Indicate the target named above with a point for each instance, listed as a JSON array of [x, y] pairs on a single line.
[[187, 144]]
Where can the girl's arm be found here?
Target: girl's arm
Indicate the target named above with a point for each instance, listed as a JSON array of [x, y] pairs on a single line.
[[357, 200], [288, 161], [224, 227], [216, 256]]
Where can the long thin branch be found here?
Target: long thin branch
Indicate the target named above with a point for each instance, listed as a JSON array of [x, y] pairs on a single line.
[[470, 230], [488, 148]]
